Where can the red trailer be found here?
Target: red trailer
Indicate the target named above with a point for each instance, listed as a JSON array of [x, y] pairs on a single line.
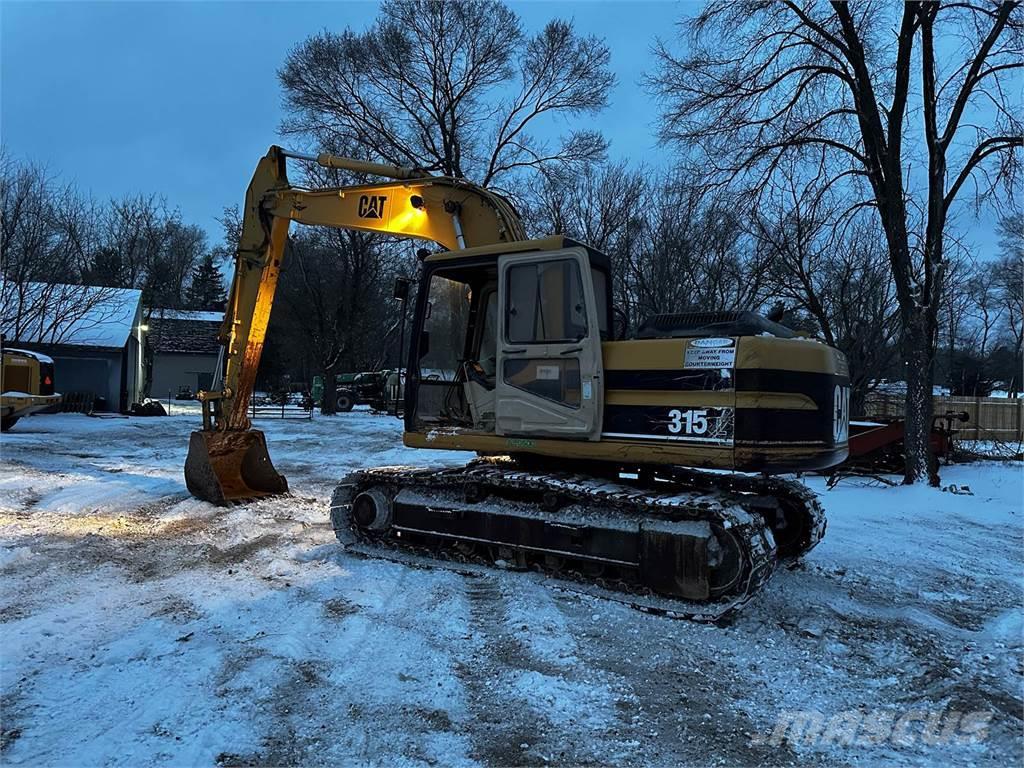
[[877, 446]]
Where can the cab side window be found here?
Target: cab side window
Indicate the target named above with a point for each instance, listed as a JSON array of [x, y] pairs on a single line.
[[545, 303], [488, 354]]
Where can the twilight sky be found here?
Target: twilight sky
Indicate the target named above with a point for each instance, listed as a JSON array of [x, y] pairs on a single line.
[[181, 98]]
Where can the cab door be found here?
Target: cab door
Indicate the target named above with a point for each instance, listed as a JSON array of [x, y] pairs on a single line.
[[549, 373]]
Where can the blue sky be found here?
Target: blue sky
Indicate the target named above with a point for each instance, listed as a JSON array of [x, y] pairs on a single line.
[[181, 99]]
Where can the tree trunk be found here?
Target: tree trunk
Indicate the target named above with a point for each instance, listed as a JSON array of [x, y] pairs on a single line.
[[919, 359], [1018, 364], [329, 403], [858, 397]]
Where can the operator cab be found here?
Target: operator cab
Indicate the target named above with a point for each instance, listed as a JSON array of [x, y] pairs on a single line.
[[507, 341]]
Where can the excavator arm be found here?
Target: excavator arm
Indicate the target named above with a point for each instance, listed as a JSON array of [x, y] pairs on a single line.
[[228, 461]]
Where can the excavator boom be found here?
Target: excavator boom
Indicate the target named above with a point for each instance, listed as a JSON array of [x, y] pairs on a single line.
[[228, 461]]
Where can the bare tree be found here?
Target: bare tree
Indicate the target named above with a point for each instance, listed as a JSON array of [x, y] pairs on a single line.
[[795, 225], [834, 86], [131, 238], [137, 241], [604, 206], [168, 277], [65, 255], [452, 87], [44, 230], [62, 313], [36, 239], [1008, 274], [838, 275], [985, 309], [693, 253], [954, 310], [595, 205], [862, 310], [333, 293]]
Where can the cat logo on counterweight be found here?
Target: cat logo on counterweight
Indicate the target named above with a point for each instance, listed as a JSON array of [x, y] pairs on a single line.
[[372, 206]]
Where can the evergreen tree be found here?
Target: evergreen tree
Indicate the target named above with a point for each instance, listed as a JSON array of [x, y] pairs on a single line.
[[107, 269], [206, 289]]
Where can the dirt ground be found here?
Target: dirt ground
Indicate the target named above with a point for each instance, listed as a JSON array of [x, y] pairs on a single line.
[[140, 626]]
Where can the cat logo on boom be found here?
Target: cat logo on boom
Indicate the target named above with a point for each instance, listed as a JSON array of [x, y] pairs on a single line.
[[372, 206]]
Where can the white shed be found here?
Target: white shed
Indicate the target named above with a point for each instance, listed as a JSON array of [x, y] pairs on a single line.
[[95, 336]]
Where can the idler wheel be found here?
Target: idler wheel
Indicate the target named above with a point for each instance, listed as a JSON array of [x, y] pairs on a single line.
[[371, 510], [725, 561]]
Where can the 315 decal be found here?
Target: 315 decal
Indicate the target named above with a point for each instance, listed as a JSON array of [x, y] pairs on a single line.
[[710, 425]]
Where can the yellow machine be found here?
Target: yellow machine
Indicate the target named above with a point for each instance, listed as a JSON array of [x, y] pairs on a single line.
[[26, 385], [591, 444]]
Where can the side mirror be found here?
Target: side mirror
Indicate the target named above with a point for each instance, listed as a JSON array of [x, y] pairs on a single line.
[[620, 323], [424, 348], [401, 291]]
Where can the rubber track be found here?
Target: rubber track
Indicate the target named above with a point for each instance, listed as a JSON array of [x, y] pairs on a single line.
[[679, 500]]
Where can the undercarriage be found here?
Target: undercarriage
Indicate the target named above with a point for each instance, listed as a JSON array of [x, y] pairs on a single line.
[[684, 542]]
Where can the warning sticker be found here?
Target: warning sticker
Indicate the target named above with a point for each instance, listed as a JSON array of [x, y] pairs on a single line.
[[711, 357], [548, 373]]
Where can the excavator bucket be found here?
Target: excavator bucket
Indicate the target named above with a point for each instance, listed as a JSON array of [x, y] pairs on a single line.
[[223, 467]]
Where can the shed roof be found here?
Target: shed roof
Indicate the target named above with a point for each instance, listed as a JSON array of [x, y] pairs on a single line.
[[69, 315], [184, 332], [186, 314]]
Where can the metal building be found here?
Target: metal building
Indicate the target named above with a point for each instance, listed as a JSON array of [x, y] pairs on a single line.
[[181, 351], [95, 336]]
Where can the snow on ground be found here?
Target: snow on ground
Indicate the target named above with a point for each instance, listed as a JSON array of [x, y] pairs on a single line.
[[140, 626]]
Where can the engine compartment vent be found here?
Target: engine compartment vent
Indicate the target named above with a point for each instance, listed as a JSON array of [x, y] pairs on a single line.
[[687, 325]]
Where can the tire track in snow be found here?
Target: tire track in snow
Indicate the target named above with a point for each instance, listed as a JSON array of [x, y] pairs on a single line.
[[675, 689], [529, 699], [502, 732]]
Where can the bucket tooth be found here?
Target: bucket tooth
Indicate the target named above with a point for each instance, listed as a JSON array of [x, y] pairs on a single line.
[[223, 467]]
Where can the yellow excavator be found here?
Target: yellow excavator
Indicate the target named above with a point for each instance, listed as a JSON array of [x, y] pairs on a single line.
[[646, 467]]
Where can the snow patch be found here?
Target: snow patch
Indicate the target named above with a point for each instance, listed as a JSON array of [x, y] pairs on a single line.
[[141, 626]]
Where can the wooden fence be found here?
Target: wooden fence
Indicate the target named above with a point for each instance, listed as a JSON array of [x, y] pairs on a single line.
[[989, 418]]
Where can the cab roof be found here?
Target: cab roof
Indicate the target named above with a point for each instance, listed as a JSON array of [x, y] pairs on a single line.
[[550, 243]]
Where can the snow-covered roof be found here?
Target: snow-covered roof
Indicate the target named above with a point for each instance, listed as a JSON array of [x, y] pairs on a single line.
[[900, 388], [182, 314], [70, 315], [37, 355]]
